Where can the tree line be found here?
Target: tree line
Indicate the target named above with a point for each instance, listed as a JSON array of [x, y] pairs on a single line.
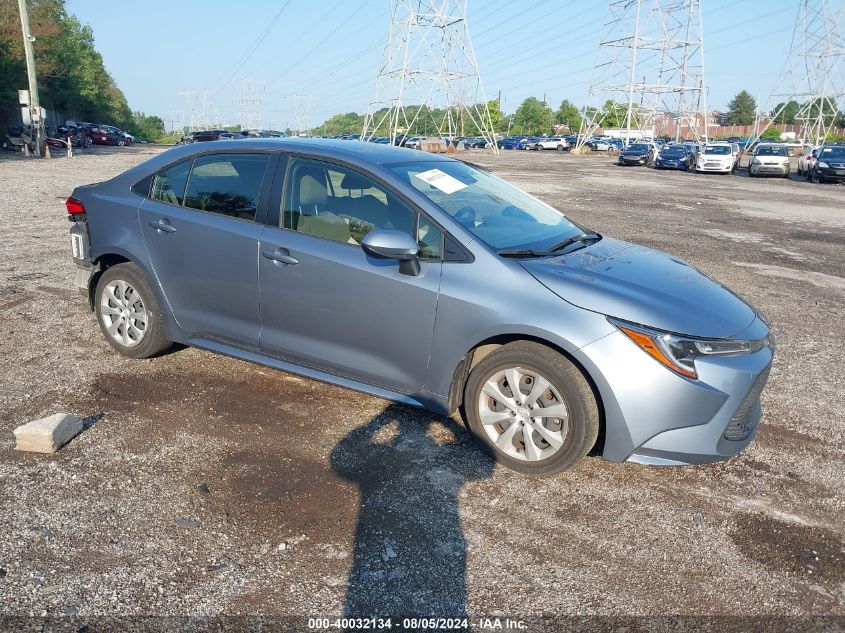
[[534, 116], [72, 78]]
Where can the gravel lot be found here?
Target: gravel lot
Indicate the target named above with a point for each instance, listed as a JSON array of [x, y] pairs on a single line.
[[207, 485]]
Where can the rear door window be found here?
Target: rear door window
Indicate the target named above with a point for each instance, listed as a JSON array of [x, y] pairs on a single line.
[[169, 185], [227, 184]]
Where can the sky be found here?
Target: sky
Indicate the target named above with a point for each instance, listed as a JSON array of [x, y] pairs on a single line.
[[330, 50]]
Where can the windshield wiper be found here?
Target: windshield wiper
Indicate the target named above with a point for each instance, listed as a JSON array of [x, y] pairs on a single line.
[[531, 252], [520, 252], [574, 240]]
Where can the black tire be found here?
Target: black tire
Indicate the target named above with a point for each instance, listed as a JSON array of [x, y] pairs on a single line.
[[815, 178], [560, 148], [153, 341], [565, 378]]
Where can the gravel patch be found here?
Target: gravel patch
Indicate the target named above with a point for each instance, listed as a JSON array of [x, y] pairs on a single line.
[[208, 486]]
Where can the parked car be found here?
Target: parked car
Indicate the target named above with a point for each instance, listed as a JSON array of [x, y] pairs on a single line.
[[830, 164], [553, 142], [598, 144], [412, 273], [638, 154], [207, 135], [716, 157], [513, 142], [769, 158], [674, 157], [106, 135], [477, 142], [806, 160], [415, 141]]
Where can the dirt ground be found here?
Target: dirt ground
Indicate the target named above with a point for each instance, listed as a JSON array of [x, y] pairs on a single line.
[[207, 486]]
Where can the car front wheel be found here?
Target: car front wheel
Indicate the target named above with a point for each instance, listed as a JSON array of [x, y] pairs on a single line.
[[129, 313], [531, 408]]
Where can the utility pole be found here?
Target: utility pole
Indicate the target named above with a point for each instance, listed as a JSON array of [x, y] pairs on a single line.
[[650, 62], [813, 75], [34, 103], [428, 64]]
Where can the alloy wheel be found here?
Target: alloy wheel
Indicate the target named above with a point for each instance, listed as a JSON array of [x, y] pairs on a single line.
[[523, 414], [123, 312]]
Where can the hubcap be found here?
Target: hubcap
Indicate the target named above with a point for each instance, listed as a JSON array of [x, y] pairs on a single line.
[[523, 414], [123, 312]]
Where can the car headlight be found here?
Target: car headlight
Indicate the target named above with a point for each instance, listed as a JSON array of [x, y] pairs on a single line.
[[823, 164], [679, 353]]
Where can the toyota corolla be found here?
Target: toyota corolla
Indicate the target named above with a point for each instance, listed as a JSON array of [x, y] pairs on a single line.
[[427, 281]]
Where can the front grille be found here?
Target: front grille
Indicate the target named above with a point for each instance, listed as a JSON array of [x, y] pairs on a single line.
[[742, 423]]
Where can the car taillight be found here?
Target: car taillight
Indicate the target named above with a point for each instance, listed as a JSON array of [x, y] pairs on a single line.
[[74, 206]]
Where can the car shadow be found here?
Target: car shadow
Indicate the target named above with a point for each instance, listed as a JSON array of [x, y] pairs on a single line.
[[410, 551]]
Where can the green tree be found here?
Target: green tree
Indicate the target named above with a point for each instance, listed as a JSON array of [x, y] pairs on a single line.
[[772, 134], [533, 117], [348, 123], [496, 116], [788, 113], [72, 78], [742, 109], [148, 128], [569, 115]]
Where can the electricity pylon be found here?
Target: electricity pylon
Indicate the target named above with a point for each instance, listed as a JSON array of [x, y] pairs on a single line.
[[428, 74], [649, 65], [302, 113], [814, 73], [250, 102]]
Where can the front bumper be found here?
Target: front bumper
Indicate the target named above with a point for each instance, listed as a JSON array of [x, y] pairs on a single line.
[[718, 168], [634, 160], [831, 173], [654, 416], [772, 170], [670, 164]]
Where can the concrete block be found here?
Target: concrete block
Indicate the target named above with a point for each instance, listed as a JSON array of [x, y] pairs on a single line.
[[47, 435]]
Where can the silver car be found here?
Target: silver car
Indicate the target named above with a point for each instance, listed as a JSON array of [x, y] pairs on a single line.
[[769, 159], [427, 281]]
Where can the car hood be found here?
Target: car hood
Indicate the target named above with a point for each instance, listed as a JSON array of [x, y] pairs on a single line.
[[643, 286], [637, 152]]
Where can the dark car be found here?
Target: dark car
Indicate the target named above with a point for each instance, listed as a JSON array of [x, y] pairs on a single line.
[[830, 164], [674, 157], [107, 135], [637, 154], [207, 135]]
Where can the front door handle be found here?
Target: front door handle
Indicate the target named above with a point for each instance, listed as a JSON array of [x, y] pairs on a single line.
[[163, 226], [280, 256]]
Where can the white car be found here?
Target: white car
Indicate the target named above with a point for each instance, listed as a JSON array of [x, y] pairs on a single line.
[[807, 160], [553, 142], [716, 157], [770, 158]]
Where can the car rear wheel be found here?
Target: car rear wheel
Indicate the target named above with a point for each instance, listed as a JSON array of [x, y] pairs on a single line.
[[560, 148], [531, 409], [129, 313]]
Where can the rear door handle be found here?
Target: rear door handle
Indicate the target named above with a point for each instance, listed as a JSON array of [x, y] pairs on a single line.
[[163, 226], [280, 256]]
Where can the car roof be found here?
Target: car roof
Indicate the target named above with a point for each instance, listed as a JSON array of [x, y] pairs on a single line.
[[364, 154]]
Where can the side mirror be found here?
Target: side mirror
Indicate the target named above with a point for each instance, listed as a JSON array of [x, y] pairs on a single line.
[[392, 244]]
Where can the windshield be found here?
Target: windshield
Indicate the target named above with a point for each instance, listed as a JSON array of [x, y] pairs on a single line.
[[494, 211], [833, 152], [639, 148], [771, 151], [673, 150], [718, 149]]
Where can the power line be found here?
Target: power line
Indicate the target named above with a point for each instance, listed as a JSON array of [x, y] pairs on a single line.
[[262, 36], [321, 42]]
